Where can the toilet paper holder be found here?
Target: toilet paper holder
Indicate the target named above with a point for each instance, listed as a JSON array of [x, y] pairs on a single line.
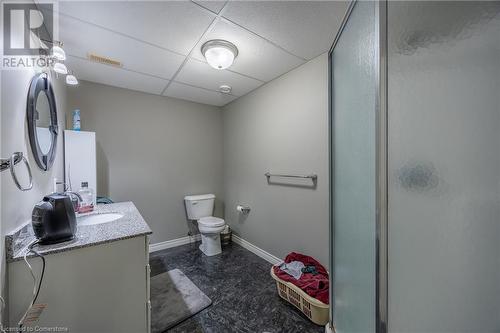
[[245, 209]]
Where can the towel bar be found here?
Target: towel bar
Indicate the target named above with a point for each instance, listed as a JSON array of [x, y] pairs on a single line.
[[9, 163], [314, 177]]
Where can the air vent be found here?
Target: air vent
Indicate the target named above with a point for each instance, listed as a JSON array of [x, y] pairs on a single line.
[[103, 60]]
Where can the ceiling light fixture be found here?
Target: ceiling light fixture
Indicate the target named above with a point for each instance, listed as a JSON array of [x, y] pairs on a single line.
[[71, 80], [58, 53], [60, 68], [225, 89], [220, 54]]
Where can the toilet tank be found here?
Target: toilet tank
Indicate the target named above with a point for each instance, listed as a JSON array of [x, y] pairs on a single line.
[[198, 206]]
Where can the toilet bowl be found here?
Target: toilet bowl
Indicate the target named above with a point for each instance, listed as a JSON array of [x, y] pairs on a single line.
[[210, 228], [199, 208]]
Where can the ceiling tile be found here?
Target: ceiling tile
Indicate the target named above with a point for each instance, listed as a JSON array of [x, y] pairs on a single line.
[[81, 38], [256, 57], [152, 37], [199, 95], [212, 5], [117, 77], [200, 74], [174, 25], [305, 28]]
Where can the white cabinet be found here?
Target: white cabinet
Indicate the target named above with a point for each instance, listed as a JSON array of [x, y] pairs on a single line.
[[101, 288], [80, 159]]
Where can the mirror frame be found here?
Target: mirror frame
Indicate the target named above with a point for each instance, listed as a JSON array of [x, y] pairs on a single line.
[[39, 83]]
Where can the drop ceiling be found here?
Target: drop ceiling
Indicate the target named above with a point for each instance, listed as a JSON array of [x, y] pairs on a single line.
[[158, 42]]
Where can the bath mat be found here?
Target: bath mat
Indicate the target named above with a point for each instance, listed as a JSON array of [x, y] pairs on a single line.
[[174, 298]]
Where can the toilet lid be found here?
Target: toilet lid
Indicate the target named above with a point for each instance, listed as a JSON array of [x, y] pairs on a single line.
[[211, 221]]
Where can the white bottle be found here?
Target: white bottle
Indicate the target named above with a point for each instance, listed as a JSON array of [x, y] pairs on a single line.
[[87, 194]]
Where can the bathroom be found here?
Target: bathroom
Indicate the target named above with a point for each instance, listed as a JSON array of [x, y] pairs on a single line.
[[219, 141]]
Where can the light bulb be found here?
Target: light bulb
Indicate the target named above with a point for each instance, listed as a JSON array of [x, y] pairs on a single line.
[[60, 68], [58, 53], [71, 80]]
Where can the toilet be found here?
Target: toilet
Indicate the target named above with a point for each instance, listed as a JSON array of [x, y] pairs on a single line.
[[200, 208]]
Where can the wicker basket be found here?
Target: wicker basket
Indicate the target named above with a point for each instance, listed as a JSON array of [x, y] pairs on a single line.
[[313, 309]]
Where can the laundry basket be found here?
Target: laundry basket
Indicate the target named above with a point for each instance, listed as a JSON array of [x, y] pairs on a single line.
[[312, 308]]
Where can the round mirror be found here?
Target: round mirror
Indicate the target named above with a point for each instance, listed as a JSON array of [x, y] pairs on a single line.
[[42, 121]]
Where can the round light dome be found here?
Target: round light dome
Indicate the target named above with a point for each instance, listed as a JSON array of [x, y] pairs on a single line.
[[58, 53], [60, 68], [71, 80], [219, 53]]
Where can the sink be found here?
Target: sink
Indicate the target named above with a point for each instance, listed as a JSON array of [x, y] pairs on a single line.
[[98, 218]]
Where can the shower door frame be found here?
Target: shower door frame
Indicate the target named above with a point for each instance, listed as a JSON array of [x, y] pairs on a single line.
[[381, 117]]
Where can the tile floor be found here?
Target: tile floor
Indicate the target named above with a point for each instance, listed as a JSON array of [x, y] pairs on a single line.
[[244, 297]]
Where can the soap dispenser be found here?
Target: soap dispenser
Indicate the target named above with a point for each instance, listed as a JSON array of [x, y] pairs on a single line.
[[87, 194]]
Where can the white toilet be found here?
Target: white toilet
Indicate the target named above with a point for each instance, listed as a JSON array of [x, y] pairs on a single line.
[[200, 208]]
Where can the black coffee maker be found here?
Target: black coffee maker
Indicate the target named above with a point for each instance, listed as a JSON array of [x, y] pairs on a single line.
[[54, 219]]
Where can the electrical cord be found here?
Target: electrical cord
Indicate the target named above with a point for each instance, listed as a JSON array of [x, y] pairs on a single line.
[[36, 285]]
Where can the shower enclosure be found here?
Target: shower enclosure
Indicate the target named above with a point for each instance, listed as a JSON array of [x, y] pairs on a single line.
[[415, 167]]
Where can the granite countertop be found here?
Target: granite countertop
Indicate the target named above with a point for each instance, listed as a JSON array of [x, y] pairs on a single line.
[[130, 225]]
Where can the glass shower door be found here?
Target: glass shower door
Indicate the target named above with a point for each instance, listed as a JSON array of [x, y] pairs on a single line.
[[354, 64], [444, 166], [423, 161]]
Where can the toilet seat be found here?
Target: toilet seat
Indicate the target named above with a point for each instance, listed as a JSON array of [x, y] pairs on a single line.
[[211, 221]]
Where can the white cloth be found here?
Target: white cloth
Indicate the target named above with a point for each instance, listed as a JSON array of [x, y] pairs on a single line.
[[293, 268]]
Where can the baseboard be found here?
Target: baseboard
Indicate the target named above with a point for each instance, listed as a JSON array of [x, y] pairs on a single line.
[[238, 240], [256, 250], [173, 243]]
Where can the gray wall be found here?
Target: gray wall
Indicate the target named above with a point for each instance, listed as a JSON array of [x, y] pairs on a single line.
[[280, 127], [16, 206], [152, 150]]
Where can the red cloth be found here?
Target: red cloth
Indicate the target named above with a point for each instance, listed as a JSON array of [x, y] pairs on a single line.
[[316, 286]]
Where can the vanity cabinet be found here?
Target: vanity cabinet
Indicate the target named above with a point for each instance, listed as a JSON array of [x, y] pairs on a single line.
[[99, 288]]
